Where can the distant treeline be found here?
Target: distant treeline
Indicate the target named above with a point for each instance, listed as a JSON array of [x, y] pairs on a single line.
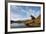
[[16, 21]]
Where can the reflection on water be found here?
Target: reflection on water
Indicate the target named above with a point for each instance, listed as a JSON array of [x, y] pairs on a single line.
[[18, 25]]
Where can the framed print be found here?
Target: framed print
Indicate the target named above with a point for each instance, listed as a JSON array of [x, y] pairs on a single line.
[[22, 16]]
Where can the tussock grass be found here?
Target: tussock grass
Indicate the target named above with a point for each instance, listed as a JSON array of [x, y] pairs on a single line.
[[34, 22]]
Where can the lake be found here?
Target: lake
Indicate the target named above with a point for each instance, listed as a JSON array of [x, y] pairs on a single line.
[[18, 25]]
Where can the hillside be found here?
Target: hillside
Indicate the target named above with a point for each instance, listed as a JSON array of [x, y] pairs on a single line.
[[33, 23]]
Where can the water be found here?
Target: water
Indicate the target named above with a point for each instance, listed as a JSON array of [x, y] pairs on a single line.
[[18, 25]]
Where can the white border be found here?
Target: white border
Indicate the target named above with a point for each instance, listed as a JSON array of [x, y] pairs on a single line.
[[24, 29]]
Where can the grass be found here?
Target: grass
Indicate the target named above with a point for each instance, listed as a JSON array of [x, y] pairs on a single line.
[[33, 23]]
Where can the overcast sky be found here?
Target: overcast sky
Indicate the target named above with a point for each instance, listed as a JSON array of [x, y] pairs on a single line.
[[21, 12]]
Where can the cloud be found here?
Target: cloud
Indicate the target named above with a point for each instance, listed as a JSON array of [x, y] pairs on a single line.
[[16, 17], [36, 14], [23, 12]]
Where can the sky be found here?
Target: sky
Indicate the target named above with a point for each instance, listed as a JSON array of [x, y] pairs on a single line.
[[24, 12]]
